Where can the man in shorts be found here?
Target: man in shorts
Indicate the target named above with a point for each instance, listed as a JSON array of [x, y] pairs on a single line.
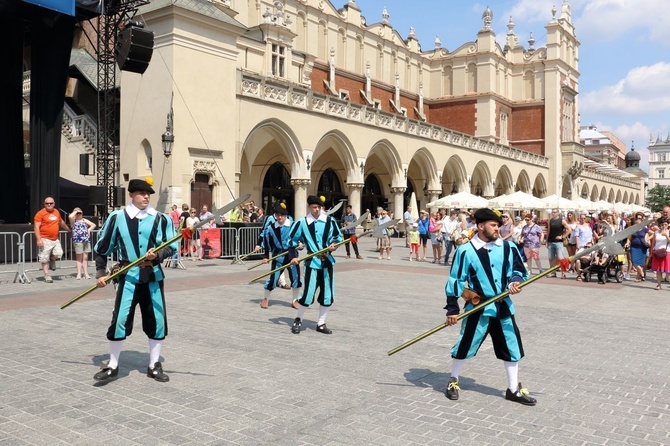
[[47, 222]]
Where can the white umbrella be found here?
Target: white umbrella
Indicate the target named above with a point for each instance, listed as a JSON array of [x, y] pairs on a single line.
[[603, 205], [585, 205], [638, 208], [623, 207], [560, 203], [414, 206], [517, 200], [459, 200]]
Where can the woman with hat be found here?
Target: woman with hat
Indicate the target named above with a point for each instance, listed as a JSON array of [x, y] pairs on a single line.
[[81, 239]]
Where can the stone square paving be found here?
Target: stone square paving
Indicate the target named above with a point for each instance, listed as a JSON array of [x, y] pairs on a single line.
[[597, 359]]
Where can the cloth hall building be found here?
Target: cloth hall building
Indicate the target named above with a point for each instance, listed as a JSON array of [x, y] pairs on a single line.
[[282, 99]]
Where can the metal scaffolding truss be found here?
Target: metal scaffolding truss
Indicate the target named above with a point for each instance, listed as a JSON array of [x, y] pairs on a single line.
[[107, 144]]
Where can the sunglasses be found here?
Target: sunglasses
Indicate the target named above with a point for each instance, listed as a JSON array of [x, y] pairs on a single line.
[[51, 203]]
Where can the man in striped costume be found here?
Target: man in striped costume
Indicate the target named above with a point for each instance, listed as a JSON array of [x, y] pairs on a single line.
[[131, 233], [276, 241], [316, 231], [489, 266]]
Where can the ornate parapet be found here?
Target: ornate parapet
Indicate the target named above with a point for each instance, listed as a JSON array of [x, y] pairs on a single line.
[[254, 86]]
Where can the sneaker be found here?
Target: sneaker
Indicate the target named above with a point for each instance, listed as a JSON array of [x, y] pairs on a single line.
[[520, 396], [87, 276], [452, 389], [52, 265], [323, 329], [106, 373], [264, 303], [78, 276], [410, 259], [297, 323], [359, 257], [157, 373], [48, 279], [348, 256]]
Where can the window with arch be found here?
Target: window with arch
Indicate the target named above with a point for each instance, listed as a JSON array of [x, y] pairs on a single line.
[[322, 52], [567, 134], [472, 78], [529, 85], [379, 71], [341, 48], [358, 55], [448, 81]]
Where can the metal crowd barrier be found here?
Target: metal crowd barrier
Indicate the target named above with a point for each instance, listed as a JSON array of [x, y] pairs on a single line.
[[30, 264], [11, 246], [247, 237], [20, 252]]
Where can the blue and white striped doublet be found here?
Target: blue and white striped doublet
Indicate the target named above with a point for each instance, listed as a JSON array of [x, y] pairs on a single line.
[[487, 269], [317, 234], [276, 240], [130, 238]]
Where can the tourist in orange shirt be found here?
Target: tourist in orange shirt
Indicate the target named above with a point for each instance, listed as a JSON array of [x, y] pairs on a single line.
[[47, 223]]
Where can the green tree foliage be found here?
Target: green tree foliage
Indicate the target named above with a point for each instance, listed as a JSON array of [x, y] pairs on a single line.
[[657, 197]]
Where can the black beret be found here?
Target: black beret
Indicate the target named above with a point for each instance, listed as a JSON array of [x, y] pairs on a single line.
[[140, 185], [485, 214], [280, 208], [313, 199]]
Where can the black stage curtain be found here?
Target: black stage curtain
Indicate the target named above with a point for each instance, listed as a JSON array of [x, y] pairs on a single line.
[[52, 35], [13, 192]]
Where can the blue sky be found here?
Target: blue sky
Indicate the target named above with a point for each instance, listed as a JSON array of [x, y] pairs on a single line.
[[624, 53]]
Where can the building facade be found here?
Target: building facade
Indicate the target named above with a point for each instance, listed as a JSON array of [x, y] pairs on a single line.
[[659, 162], [282, 99]]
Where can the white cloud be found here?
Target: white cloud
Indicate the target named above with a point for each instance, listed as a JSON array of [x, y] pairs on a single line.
[[607, 20], [643, 90], [601, 20]]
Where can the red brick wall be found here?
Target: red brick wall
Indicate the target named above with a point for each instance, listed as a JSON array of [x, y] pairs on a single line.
[[527, 123], [459, 116], [317, 77], [354, 87]]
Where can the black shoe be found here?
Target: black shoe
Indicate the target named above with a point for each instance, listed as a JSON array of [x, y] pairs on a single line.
[[323, 329], [296, 326], [157, 373], [452, 389], [520, 396], [106, 373]]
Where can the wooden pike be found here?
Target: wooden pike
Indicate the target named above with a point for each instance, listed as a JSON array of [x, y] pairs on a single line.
[[376, 229], [564, 264], [177, 237], [351, 225]]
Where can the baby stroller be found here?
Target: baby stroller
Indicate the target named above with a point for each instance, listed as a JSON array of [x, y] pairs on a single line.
[[611, 269]]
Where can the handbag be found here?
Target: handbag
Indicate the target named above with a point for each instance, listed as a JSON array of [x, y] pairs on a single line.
[[390, 232], [660, 253]]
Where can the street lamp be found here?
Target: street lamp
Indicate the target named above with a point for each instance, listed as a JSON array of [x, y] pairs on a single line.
[[167, 139]]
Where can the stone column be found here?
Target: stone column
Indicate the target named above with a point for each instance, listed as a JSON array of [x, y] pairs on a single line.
[[432, 196], [355, 190], [300, 196], [398, 201]]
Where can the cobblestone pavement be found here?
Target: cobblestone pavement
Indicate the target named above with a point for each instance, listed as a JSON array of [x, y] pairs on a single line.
[[596, 359]]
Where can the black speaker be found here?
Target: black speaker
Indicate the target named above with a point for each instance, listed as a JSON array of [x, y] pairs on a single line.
[[85, 164], [134, 47], [97, 195], [119, 197]]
